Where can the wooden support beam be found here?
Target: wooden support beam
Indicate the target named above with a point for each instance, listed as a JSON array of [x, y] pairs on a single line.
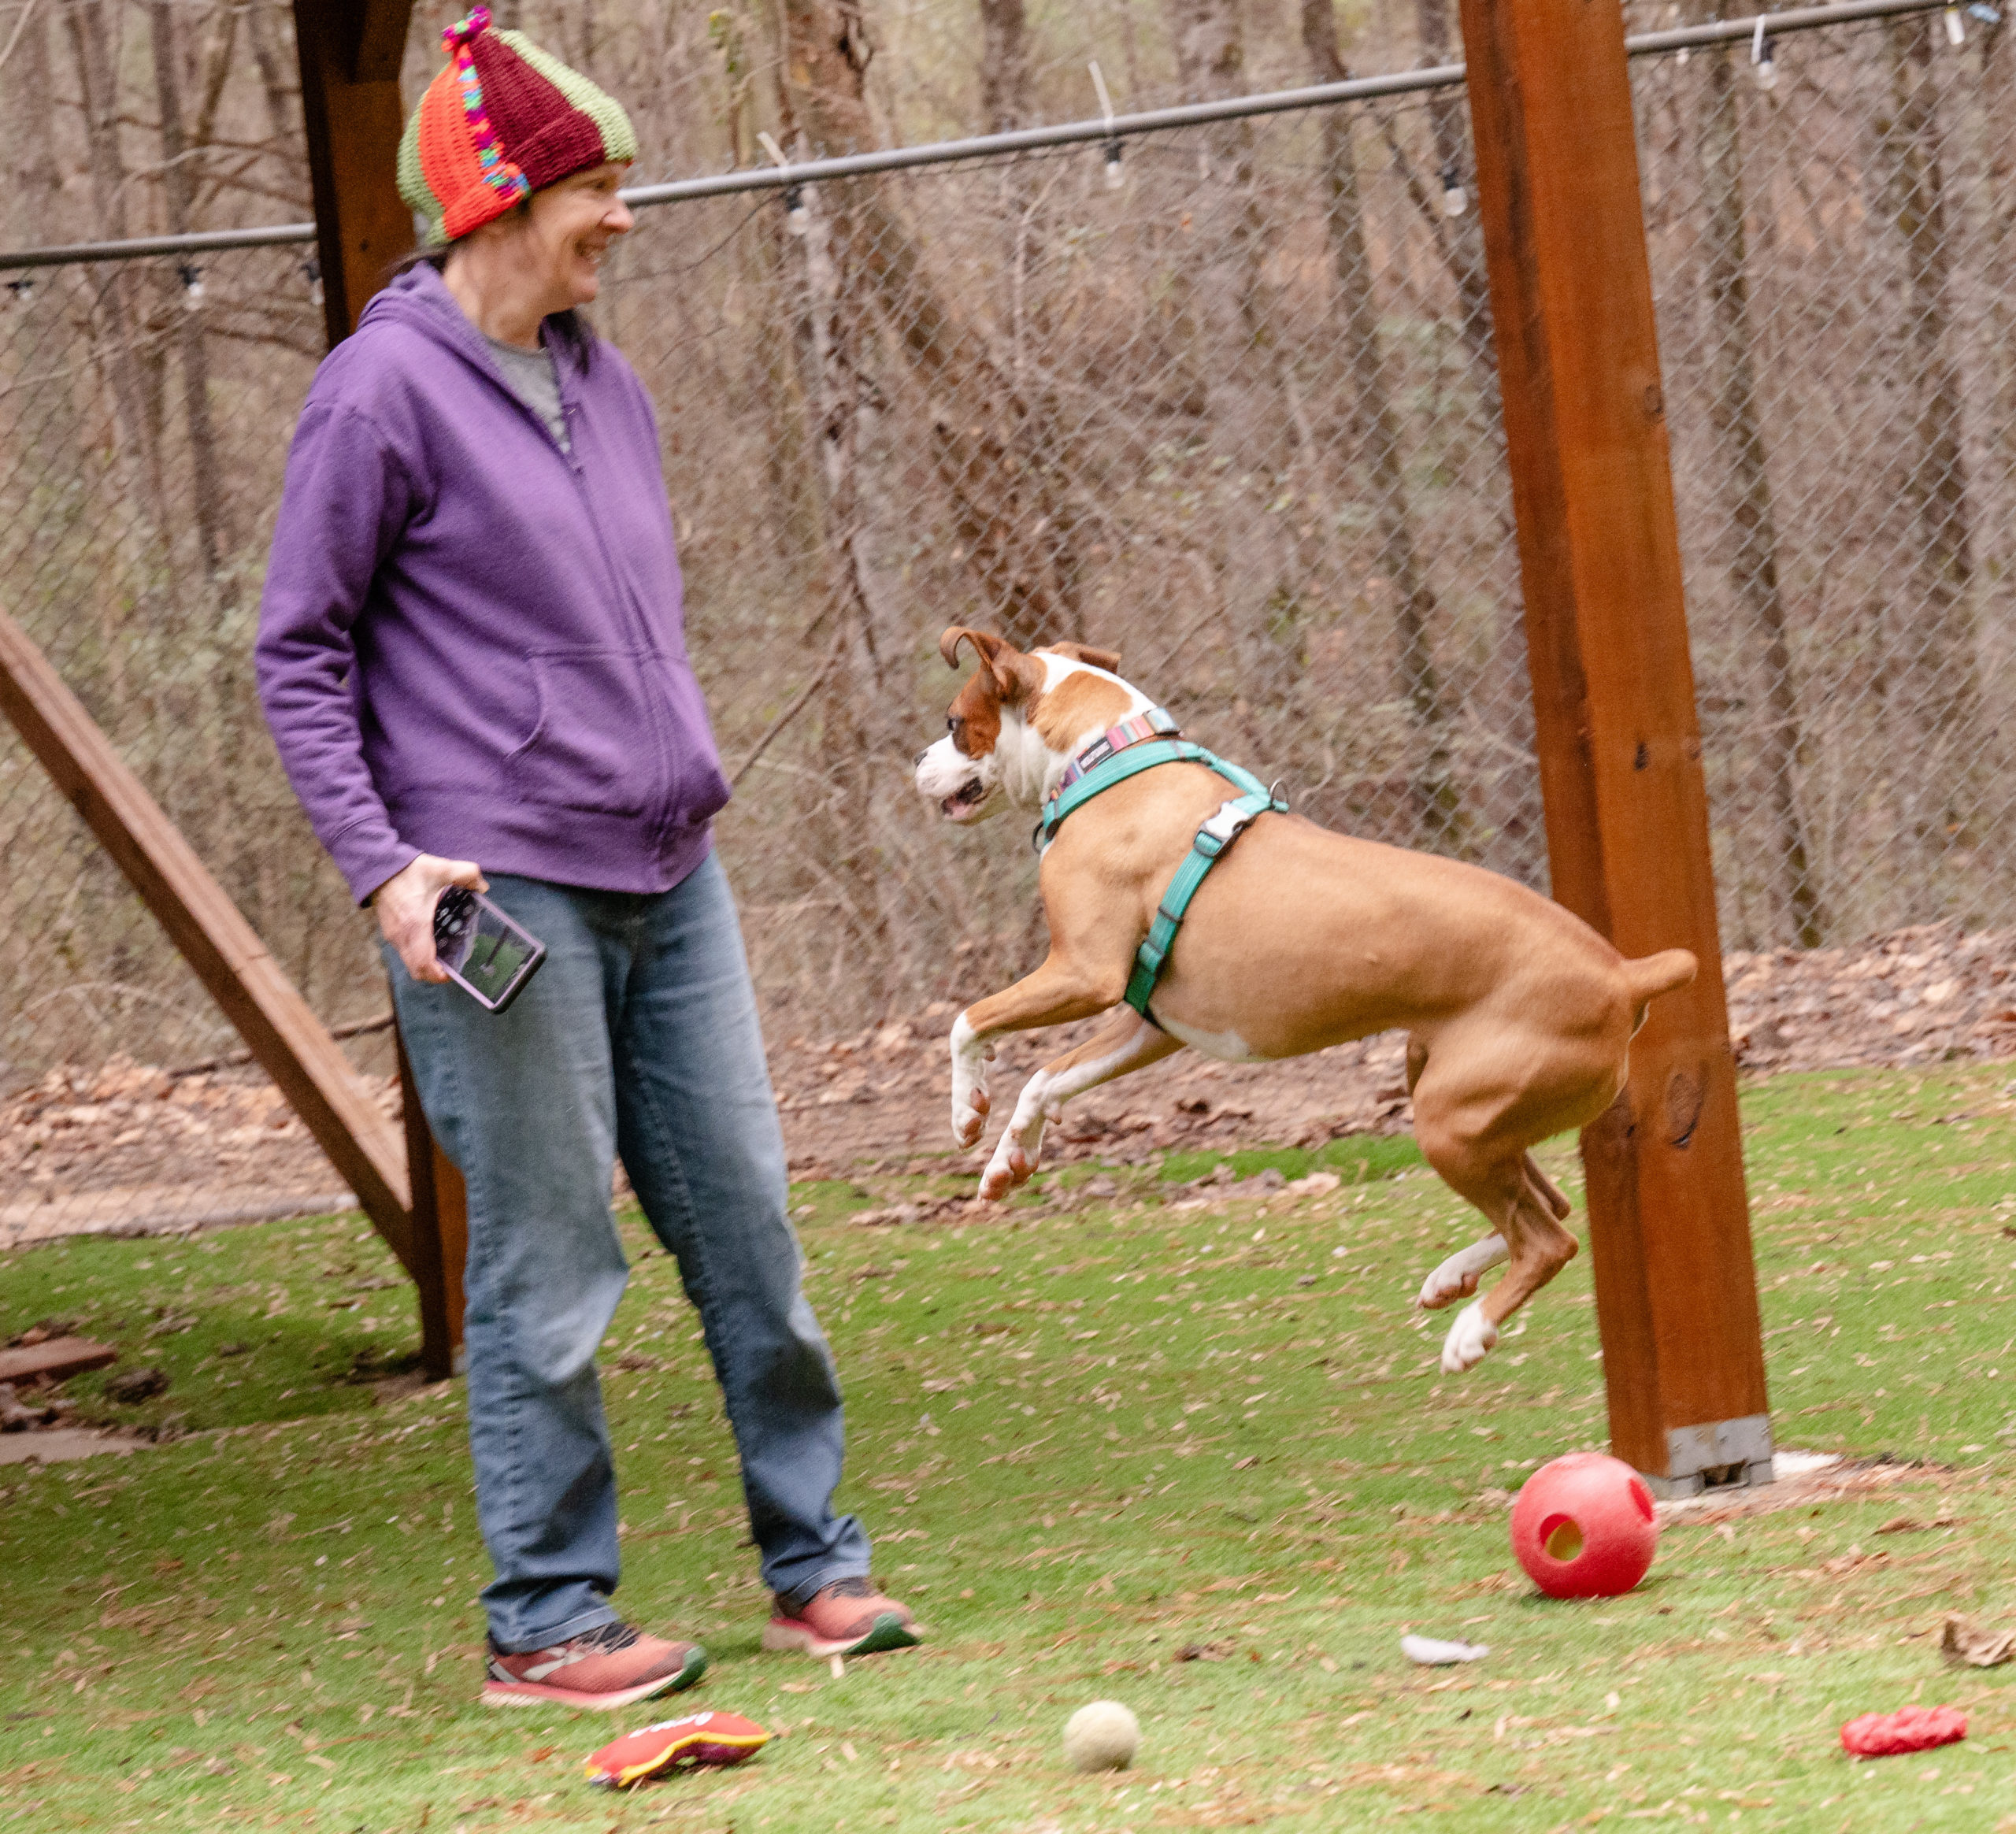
[[1619, 738], [281, 1031], [350, 52], [441, 1234]]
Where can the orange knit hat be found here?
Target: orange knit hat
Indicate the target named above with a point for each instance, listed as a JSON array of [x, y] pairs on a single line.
[[504, 119]]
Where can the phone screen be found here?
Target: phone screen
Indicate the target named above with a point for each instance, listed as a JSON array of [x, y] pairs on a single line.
[[482, 949]]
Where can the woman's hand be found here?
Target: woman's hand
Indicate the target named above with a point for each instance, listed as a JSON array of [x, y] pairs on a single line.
[[405, 904]]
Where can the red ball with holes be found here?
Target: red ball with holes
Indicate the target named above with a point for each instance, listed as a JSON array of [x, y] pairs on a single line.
[[1583, 1527]]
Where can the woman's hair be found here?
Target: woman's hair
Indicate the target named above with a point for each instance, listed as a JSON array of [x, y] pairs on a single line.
[[567, 332]]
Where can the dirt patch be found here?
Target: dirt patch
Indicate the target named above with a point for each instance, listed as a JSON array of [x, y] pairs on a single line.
[[1833, 1481], [127, 1148]]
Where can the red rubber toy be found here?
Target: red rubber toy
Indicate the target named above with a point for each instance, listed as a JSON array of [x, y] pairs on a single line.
[[1909, 1729], [1583, 1527]]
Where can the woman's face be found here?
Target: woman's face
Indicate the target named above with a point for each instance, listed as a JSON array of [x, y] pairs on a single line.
[[566, 229]]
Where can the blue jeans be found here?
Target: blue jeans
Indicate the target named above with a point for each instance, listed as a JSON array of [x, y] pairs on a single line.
[[639, 1036]]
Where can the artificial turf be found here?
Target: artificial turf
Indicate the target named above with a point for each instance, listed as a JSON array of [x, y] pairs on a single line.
[[1143, 1443]]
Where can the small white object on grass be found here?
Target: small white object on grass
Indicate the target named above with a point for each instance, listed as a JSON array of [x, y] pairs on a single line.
[[1431, 1653], [1102, 1736], [835, 1667]]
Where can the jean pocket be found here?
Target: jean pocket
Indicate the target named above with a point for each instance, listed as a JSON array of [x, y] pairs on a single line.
[[593, 743]]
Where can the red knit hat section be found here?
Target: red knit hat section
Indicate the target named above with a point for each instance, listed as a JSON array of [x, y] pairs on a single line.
[[504, 119], [549, 138]]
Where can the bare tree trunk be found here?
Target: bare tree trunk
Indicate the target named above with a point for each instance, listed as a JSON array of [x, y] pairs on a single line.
[[96, 64], [46, 418], [1460, 238], [1998, 106], [1934, 682], [282, 92], [1004, 66], [1752, 558], [1375, 433], [999, 453], [117, 328], [178, 183]]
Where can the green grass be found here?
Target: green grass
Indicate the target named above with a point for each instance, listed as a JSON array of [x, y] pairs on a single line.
[[1083, 1442]]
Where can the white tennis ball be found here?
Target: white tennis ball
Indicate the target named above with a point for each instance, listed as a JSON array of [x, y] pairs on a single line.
[[1102, 1736]]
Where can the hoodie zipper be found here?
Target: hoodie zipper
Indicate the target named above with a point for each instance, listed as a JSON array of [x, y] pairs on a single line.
[[661, 712], [662, 707], [464, 335]]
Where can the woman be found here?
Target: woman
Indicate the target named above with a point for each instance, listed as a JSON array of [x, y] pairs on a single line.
[[470, 654]]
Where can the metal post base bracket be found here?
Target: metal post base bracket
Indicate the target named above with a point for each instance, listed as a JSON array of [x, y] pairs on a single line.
[[1718, 1454]]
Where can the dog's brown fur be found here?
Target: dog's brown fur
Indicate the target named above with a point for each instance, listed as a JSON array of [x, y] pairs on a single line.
[[1519, 1015]]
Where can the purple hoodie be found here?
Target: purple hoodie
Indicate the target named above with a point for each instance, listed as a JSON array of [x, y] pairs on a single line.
[[470, 642]]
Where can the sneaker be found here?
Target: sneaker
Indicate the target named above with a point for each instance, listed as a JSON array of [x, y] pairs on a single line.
[[609, 1666], [847, 1618]]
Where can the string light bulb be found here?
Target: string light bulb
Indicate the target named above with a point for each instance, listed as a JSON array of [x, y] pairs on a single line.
[[1456, 200], [311, 270], [191, 277], [1116, 173], [1760, 58]]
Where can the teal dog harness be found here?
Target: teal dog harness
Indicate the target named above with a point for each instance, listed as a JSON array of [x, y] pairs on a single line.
[[1139, 744]]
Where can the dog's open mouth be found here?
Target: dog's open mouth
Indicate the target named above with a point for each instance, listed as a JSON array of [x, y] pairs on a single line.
[[964, 800]]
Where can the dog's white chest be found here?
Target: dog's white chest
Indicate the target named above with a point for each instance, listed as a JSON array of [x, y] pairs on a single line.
[[1228, 1047]]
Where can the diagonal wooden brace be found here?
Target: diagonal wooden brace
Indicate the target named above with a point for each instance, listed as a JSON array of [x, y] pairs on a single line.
[[290, 1042]]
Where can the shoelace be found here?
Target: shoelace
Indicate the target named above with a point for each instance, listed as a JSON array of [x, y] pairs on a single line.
[[606, 1639]]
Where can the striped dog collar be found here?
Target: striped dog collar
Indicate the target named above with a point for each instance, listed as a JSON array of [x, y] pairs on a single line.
[[1156, 723]]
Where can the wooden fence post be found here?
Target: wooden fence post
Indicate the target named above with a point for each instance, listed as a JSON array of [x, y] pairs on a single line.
[[1619, 737]]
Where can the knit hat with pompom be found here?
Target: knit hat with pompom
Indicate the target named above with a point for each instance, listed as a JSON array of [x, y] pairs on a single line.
[[504, 120]]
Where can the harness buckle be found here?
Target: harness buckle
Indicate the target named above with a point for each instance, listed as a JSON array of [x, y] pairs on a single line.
[[1219, 830]]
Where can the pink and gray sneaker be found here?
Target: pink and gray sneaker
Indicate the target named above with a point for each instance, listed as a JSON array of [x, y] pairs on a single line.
[[850, 1617], [609, 1666]]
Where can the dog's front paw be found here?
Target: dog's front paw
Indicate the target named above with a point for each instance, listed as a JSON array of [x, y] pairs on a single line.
[[1457, 1277], [969, 1102], [1019, 1150], [1471, 1339], [970, 1117]]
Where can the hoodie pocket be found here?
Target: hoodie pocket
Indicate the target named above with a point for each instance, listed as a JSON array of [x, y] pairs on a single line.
[[594, 743]]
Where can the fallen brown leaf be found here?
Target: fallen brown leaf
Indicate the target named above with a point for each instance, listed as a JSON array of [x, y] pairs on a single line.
[[1974, 1646]]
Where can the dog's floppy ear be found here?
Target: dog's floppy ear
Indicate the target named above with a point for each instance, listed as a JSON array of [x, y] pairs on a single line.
[[1108, 660], [1009, 673]]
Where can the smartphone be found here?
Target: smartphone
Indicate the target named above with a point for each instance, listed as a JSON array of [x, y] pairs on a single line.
[[487, 955]]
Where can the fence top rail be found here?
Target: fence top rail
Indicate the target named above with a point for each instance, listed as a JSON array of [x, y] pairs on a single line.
[[1028, 140]]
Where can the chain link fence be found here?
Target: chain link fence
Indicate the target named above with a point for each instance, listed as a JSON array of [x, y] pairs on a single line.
[[1223, 399]]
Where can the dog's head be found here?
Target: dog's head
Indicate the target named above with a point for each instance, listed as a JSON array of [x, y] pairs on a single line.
[[1012, 729]]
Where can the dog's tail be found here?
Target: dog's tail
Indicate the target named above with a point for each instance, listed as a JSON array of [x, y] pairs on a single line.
[[1650, 976]]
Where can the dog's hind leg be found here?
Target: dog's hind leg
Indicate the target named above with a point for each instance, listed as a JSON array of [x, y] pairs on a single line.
[[1457, 1277], [1498, 1176], [1549, 1192], [1128, 1043], [1538, 1249]]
